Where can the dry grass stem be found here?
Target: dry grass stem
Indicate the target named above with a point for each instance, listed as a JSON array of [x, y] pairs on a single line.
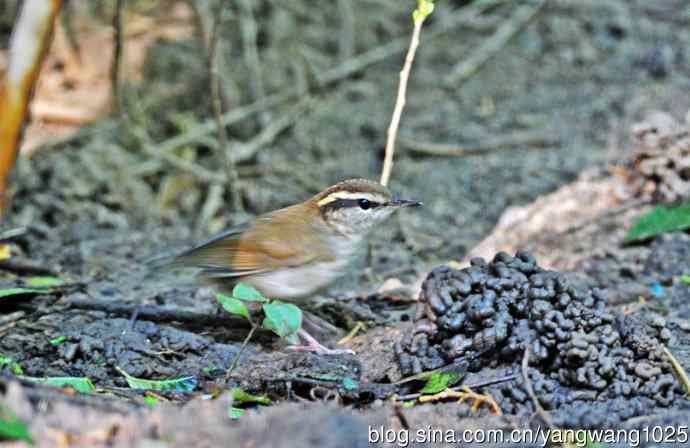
[[530, 391], [118, 47], [680, 372], [217, 105], [239, 353]]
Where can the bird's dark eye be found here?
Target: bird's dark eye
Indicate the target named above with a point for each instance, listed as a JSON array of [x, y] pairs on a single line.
[[365, 204]]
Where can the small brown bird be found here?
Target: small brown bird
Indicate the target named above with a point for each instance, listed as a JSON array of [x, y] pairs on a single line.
[[291, 253]]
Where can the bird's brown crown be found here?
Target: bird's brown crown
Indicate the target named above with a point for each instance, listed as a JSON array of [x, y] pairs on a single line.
[[351, 190]]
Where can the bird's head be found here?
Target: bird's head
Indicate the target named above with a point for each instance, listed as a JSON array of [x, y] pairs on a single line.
[[354, 206]]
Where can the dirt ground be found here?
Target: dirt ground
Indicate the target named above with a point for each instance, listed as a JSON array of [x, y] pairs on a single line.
[[557, 100]]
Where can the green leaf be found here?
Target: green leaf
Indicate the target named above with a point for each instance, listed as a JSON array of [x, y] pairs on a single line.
[[44, 281], [81, 384], [439, 382], [233, 305], [58, 340], [240, 396], [685, 279], [245, 292], [183, 384], [660, 220], [409, 404], [285, 319], [11, 428], [235, 413], [151, 401], [23, 291], [14, 366]]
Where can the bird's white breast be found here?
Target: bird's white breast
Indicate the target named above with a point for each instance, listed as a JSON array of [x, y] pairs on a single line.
[[303, 281]]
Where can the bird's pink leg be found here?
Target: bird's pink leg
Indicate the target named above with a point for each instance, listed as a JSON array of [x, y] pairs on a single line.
[[312, 345]]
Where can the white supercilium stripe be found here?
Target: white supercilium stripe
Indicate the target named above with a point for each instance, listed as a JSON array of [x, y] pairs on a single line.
[[350, 195]]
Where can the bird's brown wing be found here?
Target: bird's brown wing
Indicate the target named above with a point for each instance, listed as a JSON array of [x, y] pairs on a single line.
[[256, 248]]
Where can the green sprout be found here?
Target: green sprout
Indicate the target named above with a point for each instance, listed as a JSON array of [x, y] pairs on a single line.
[[424, 8], [284, 319]]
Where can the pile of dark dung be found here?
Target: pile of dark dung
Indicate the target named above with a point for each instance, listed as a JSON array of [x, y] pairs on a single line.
[[487, 314]]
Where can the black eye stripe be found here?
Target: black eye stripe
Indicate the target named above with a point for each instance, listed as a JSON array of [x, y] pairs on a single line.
[[348, 203]]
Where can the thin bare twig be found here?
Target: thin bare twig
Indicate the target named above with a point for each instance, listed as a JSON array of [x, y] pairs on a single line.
[[217, 105], [247, 150], [196, 170], [26, 266], [465, 69], [239, 353], [191, 319], [11, 317], [530, 391], [243, 151], [525, 140], [10, 234], [356, 329], [680, 372], [197, 132], [478, 384], [346, 43], [115, 68], [249, 32], [213, 203], [402, 418], [419, 18]]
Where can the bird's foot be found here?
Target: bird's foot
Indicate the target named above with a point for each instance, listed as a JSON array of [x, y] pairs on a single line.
[[314, 346]]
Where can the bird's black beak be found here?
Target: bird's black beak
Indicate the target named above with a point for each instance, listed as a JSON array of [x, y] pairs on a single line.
[[404, 203]]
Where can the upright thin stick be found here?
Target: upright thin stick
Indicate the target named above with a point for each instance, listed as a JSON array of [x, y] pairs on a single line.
[[240, 351], [424, 8], [530, 390], [117, 56], [250, 32], [217, 105]]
